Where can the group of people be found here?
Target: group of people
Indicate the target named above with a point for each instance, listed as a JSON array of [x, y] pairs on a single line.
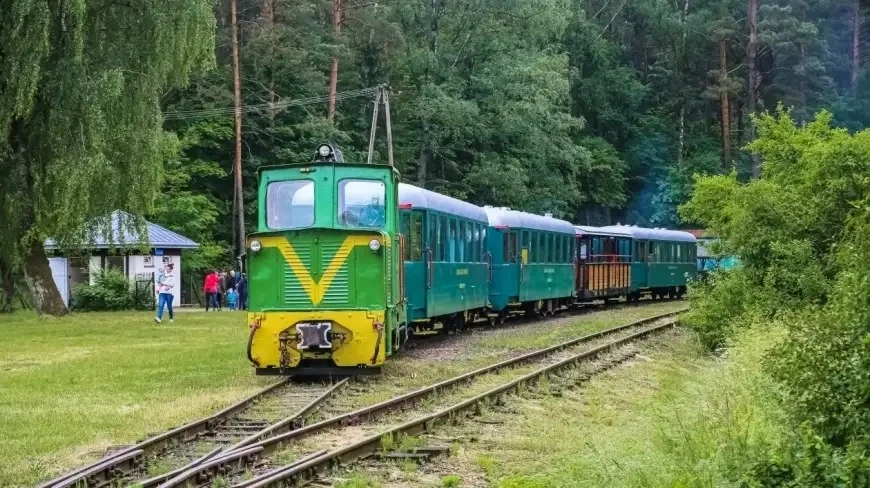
[[220, 286]]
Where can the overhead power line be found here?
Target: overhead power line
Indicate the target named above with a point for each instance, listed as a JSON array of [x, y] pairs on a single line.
[[262, 107]]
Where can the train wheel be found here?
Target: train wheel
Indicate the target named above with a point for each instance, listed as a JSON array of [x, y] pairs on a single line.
[[502, 317]]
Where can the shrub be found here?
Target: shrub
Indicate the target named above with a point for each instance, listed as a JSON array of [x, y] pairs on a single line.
[[111, 291]]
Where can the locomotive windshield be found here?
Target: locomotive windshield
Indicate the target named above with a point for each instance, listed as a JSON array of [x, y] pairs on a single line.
[[361, 203], [290, 204]]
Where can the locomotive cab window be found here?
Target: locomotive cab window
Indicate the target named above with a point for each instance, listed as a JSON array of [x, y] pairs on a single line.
[[290, 204], [362, 203]]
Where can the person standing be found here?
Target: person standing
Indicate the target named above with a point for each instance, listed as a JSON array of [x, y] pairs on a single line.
[[235, 277], [166, 292], [222, 290], [210, 288], [243, 291]]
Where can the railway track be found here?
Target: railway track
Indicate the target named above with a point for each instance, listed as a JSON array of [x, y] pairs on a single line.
[[243, 439], [377, 435], [275, 409], [300, 454]]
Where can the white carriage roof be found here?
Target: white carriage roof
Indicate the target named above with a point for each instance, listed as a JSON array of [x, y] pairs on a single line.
[[585, 229], [652, 234], [522, 220], [418, 197]]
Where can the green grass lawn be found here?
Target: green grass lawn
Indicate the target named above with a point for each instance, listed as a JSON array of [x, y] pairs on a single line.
[[72, 387]]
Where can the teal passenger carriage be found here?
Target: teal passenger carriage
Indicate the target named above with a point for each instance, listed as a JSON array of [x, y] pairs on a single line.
[[662, 260], [446, 271], [532, 262]]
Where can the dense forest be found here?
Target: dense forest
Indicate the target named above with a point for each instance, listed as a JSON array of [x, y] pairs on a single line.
[[598, 111]]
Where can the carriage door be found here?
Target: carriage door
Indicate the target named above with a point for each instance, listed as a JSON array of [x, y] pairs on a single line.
[[583, 266], [415, 256]]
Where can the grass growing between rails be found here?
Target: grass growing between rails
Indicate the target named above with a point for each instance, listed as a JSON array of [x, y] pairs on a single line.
[[74, 386], [672, 417]]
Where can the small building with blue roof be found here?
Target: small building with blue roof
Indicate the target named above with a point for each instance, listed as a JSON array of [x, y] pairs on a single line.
[[139, 258]]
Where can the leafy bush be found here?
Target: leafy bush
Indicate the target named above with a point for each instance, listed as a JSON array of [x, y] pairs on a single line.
[[111, 291], [802, 234]]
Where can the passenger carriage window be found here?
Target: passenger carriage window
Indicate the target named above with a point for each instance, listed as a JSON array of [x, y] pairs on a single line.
[[362, 203], [559, 257], [442, 238], [405, 219], [526, 240], [432, 242], [415, 247], [469, 244], [290, 204], [651, 250], [453, 237], [482, 241], [460, 242], [551, 247], [679, 258]]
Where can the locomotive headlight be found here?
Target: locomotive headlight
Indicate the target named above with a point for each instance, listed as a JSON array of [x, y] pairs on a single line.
[[256, 246], [374, 245], [324, 150]]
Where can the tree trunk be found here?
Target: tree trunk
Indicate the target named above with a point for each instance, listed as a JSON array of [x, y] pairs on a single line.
[[237, 101], [682, 137], [425, 155], [856, 46], [726, 111], [37, 273], [7, 285], [751, 100], [333, 72], [269, 21]]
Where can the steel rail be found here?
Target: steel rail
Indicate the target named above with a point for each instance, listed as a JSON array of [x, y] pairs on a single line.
[[296, 473], [288, 423], [271, 444], [160, 441]]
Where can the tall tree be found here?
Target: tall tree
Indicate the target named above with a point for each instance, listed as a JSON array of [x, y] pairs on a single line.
[[80, 122], [238, 199], [333, 72], [752, 85]]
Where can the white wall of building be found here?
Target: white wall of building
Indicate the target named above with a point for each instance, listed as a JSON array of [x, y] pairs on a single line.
[[137, 265], [133, 266]]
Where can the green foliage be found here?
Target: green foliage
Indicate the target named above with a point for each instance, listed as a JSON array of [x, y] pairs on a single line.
[[112, 291], [80, 119], [451, 481], [802, 234], [358, 482]]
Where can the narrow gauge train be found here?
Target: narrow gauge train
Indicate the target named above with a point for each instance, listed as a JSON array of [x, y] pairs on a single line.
[[347, 262]]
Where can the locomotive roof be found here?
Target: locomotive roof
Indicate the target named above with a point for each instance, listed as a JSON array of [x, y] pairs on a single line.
[[422, 198], [515, 219], [584, 229], [652, 234]]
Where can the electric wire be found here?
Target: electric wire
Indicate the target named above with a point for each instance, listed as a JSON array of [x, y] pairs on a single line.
[[266, 107]]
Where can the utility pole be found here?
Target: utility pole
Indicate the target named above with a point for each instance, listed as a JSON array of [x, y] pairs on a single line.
[[333, 73], [238, 200]]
